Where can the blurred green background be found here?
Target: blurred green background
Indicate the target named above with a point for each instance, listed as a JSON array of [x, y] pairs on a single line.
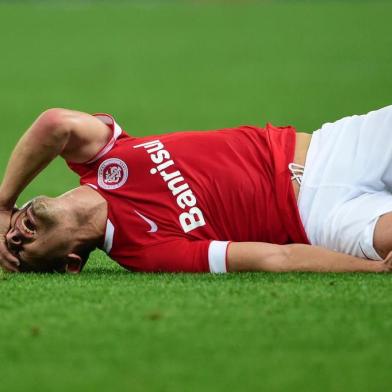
[[162, 66]]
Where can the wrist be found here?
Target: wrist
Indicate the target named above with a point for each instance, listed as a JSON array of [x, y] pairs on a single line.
[[6, 206], [6, 203]]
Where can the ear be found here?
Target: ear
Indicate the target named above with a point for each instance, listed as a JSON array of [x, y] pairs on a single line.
[[74, 263]]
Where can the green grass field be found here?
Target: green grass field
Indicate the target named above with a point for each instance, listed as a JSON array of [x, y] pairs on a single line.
[[165, 66]]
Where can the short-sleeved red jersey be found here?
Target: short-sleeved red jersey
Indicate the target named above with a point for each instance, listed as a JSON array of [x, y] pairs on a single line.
[[176, 200]]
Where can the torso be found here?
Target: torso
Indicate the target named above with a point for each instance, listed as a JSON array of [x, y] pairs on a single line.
[[233, 183]]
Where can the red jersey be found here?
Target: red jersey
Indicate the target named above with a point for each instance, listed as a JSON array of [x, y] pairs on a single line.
[[175, 201]]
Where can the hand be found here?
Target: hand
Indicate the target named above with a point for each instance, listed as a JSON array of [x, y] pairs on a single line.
[[387, 263], [7, 260]]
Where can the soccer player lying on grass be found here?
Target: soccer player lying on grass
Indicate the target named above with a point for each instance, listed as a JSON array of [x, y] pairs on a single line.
[[240, 199]]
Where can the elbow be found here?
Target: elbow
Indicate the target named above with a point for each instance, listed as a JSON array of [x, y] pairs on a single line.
[[54, 124]]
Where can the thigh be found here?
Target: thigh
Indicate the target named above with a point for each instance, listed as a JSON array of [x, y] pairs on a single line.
[[383, 235], [346, 159], [354, 151], [359, 226]]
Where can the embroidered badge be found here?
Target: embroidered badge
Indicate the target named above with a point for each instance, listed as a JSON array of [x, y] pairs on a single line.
[[112, 173]]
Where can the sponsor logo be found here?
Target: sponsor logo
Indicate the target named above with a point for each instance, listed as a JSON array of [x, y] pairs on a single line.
[[192, 217], [112, 173], [153, 225]]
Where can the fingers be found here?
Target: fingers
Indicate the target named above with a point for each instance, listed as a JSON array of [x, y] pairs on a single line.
[[8, 267], [7, 260], [4, 252], [387, 263], [389, 257]]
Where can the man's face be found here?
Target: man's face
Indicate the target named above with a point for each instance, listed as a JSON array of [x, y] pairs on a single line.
[[39, 234]]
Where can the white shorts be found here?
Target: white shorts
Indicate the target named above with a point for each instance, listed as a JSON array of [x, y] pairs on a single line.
[[347, 182]]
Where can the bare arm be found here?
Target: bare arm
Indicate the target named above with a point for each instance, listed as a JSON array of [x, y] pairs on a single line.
[[260, 256], [75, 136]]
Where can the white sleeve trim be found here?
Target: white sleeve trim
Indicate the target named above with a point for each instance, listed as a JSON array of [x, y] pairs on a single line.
[[110, 122], [109, 234], [217, 256]]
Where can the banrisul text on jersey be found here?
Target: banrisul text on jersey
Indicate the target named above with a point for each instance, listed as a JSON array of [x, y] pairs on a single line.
[[193, 217]]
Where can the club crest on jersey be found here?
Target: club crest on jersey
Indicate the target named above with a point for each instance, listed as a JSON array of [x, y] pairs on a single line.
[[112, 173]]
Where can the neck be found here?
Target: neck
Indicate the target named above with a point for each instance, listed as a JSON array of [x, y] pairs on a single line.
[[90, 212]]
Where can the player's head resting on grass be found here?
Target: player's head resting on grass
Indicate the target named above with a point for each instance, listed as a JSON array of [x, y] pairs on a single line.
[[52, 234]]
